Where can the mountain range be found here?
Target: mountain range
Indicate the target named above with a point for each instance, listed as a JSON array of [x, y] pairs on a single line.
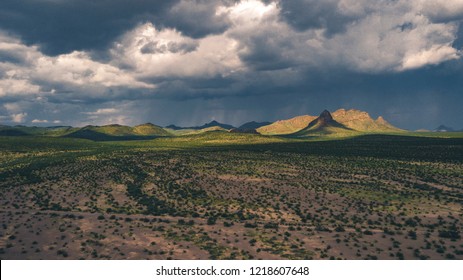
[[117, 132], [339, 123], [206, 125], [443, 128], [250, 127], [354, 120]]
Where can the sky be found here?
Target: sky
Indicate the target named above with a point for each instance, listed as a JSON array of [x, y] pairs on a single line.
[[187, 62]]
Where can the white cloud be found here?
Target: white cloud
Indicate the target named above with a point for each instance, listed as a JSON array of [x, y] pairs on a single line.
[[114, 112], [103, 111], [77, 69], [441, 9], [18, 118], [39, 121], [382, 36], [434, 55], [17, 87], [385, 40], [152, 53], [248, 12], [12, 107]]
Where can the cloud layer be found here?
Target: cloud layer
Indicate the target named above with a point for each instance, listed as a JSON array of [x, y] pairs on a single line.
[[79, 62]]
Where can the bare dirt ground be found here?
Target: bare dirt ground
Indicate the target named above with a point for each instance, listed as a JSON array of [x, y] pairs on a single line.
[[230, 204]]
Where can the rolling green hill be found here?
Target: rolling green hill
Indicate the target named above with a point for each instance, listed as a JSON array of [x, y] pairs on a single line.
[[191, 131], [112, 129], [12, 132], [149, 129], [116, 132], [289, 126], [20, 130]]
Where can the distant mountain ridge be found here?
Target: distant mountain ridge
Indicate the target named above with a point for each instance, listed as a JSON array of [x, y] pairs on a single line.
[[253, 125], [91, 132], [250, 127], [118, 132], [443, 128], [351, 119], [341, 122], [206, 125]]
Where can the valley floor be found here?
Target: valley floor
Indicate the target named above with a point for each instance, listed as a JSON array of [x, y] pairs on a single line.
[[216, 196]]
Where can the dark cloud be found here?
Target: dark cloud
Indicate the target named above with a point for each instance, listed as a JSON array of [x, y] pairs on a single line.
[[63, 26], [458, 43], [416, 99], [172, 47], [265, 51], [197, 18], [443, 12], [308, 14], [281, 73], [11, 57]]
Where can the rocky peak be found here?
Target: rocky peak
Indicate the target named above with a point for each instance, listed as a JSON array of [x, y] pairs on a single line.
[[381, 120], [325, 117]]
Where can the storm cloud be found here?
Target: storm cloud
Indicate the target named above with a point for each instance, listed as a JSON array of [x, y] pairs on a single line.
[[190, 61]]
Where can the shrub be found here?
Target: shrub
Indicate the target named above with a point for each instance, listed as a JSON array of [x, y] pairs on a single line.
[[227, 224], [452, 233], [250, 225], [339, 228], [412, 234], [211, 220], [271, 225]]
